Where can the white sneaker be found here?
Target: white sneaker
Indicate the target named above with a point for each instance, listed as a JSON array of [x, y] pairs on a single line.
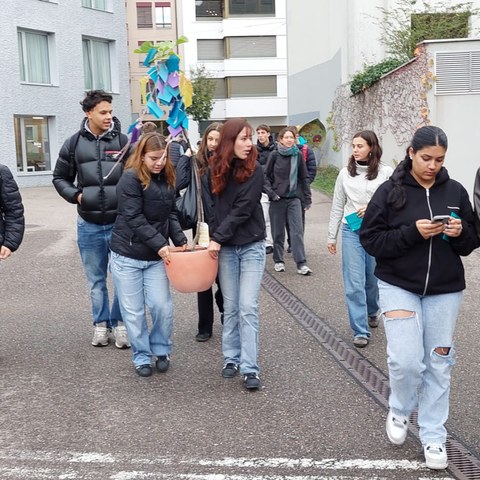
[[304, 270], [100, 335], [279, 267], [121, 337], [397, 427], [435, 456]]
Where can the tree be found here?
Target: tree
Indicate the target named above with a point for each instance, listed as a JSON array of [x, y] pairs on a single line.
[[203, 89]]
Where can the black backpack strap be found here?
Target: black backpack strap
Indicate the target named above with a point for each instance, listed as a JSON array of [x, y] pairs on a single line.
[[72, 146]]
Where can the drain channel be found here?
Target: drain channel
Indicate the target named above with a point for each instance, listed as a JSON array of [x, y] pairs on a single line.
[[461, 462]]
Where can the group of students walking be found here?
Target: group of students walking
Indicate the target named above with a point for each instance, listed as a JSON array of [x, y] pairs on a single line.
[[404, 232]]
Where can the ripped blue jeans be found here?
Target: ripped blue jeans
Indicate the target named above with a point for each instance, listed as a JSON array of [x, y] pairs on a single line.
[[420, 355]]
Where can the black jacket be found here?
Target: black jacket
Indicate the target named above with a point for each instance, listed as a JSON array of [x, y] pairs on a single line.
[[404, 258], [146, 218], [264, 151], [277, 177], [94, 159], [238, 215], [12, 221]]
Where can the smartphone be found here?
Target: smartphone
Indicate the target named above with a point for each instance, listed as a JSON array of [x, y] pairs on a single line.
[[441, 218]]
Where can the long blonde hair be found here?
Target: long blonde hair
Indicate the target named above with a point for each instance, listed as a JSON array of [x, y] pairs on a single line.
[[150, 142]]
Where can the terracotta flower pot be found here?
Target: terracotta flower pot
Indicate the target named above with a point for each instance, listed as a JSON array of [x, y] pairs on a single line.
[[191, 271]]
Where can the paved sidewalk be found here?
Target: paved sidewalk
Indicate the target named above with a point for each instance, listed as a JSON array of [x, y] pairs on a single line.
[[69, 410]]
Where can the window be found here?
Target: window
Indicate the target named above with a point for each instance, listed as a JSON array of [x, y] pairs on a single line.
[[98, 4], [96, 64], [210, 50], [34, 57], [144, 15], [251, 7], [241, 47], [163, 15], [220, 88], [252, 86], [32, 144], [209, 9]]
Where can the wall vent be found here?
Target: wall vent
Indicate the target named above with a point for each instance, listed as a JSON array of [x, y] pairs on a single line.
[[457, 72]]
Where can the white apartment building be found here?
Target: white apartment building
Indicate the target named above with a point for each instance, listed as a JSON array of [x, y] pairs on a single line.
[[242, 43], [53, 51]]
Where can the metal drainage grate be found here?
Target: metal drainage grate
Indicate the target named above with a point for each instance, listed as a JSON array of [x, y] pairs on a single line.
[[461, 462]]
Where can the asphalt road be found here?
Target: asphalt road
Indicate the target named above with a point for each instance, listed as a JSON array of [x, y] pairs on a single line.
[[72, 411]]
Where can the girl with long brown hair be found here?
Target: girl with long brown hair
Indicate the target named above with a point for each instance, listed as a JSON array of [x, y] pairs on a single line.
[[238, 239], [146, 220]]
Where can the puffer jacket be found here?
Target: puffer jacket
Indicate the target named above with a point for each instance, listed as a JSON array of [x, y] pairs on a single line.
[[146, 218], [94, 158], [12, 221]]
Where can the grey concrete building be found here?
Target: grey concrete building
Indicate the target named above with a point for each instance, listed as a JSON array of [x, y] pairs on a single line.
[[52, 52]]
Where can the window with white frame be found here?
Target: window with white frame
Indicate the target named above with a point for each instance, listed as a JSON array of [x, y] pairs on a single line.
[[261, 86], [97, 4], [96, 64], [211, 49], [163, 15], [251, 7], [209, 9], [34, 57], [32, 144], [243, 47]]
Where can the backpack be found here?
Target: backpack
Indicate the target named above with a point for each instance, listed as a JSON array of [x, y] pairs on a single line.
[[305, 152]]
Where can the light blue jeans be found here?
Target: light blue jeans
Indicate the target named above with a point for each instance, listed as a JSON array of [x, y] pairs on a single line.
[[141, 283], [94, 245], [418, 374], [240, 270], [360, 283]]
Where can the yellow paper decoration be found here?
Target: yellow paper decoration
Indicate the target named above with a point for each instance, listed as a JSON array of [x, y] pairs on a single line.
[[186, 90], [143, 89]]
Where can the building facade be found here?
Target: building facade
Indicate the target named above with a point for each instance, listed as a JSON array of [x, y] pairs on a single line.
[[242, 44], [148, 21], [56, 50]]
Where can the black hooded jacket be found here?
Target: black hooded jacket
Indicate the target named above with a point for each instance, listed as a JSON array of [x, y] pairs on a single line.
[[403, 257], [94, 158], [12, 221], [264, 151]]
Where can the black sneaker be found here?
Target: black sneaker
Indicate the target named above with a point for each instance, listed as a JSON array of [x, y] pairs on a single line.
[[202, 337], [230, 370], [269, 250], [251, 381], [144, 370], [162, 363]]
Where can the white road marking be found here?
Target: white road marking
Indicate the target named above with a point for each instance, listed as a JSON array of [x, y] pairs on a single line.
[[85, 465]]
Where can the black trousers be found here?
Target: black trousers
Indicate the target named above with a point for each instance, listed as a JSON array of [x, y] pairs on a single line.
[[205, 308]]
